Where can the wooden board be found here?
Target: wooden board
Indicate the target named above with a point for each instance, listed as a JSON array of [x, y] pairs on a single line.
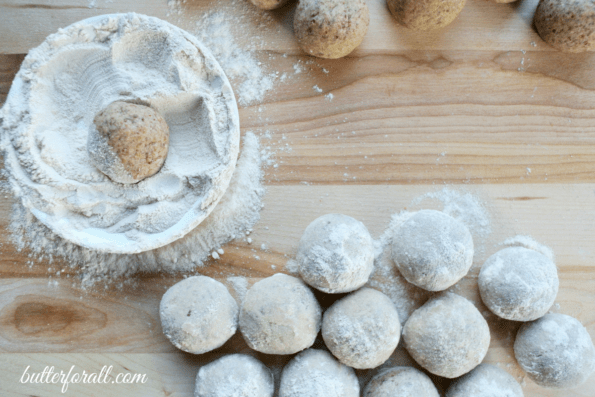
[[474, 108]]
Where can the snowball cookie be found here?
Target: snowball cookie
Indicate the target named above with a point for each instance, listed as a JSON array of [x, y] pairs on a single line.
[[362, 330], [555, 351], [316, 373], [425, 14], [234, 375], [128, 142], [401, 382], [268, 4], [330, 28], [198, 314], [567, 25], [485, 381], [432, 250], [280, 315], [336, 254], [447, 335], [518, 284]]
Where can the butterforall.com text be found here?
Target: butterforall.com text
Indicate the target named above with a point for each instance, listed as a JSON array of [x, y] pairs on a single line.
[[50, 376]]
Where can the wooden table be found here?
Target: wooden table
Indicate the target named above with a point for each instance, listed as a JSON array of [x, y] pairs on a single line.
[[482, 106]]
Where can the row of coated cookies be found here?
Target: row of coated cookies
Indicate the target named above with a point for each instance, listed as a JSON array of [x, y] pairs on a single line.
[[334, 28]]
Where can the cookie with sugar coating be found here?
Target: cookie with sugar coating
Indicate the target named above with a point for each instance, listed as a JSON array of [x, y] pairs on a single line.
[[401, 382], [280, 315], [485, 380], [447, 335], [556, 351], [330, 28], [336, 254]]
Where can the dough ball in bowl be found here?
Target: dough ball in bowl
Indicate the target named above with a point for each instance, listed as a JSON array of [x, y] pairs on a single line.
[[555, 351], [518, 284], [447, 335], [268, 4], [234, 375], [336, 254], [567, 25], [280, 315], [316, 373], [128, 142], [362, 330], [432, 250], [401, 382], [330, 28], [425, 14], [198, 314], [485, 381]]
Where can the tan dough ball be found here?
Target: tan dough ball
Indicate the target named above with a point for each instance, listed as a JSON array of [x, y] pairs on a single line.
[[401, 382], [425, 14], [556, 351], [269, 4], [128, 142], [567, 25], [362, 329], [280, 315], [447, 335], [330, 28]]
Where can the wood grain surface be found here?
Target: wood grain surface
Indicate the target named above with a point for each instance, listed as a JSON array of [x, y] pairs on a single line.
[[482, 107]]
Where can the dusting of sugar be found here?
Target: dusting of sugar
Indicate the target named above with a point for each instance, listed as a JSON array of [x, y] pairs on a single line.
[[529, 243]]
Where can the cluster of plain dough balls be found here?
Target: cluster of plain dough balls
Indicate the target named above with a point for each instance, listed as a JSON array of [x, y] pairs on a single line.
[[447, 336]]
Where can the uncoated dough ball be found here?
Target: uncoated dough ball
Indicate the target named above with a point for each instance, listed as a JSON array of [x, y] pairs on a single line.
[[425, 14], [401, 382], [268, 4], [316, 373], [128, 142], [485, 381], [362, 330], [280, 315], [432, 250], [556, 351], [336, 254], [567, 25], [447, 335], [330, 28], [234, 375], [518, 284], [198, 314]]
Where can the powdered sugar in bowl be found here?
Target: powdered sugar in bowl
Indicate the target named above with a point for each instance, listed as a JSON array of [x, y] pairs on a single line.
[[79, 71]]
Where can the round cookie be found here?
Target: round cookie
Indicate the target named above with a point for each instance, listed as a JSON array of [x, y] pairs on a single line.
[[198, 314], [362, 330], [447, 335], [401, 382], [336, 254], [234, 375], [330, 28], [567, 25], [268, 4], [316, 373], [280, 315], [128, 142], [425, 14], [432, 250], [485, 381], [555, 351], [518, 284]]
